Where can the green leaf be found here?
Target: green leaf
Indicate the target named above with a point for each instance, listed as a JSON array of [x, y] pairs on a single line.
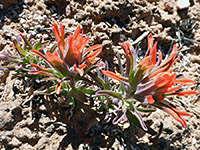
[[131, 76], [134, 79], [145, 110], [97, 80], [109, 93], [7, 67], [122, 88], [19, 49], [79, 95], [38, 45], [52, 49], [88, 91], [26, 42], [56, 73]]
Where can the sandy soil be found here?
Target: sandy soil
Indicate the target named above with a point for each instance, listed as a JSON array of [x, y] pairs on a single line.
[[34, 126]]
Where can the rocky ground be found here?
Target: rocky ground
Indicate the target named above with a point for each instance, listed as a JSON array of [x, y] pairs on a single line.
[[38, 123]]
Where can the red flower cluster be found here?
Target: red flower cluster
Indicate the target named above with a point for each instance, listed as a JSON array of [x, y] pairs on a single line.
[[72, 57], [150, 81]]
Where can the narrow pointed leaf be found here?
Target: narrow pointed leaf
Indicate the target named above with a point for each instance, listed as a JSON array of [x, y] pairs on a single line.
[[176, 116], [88, 91], [146, 110], [114, 76], [7, 68], [97, 80], [109, 93], [153, 53], [38, 45], [62, 32], [26, 42], [19, 49], [52, 49], [35, 52]]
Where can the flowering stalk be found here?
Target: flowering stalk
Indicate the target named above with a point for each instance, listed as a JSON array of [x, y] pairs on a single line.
[[150, 81], [71, 62]]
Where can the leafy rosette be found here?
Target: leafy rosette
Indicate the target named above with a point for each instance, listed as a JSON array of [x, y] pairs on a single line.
[[70, 62], [21, 61], [149, 82]]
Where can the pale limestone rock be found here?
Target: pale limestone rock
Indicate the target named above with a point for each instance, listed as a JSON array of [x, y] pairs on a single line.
[[182, 4]]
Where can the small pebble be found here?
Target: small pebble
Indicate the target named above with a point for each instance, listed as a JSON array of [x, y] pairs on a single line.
[[37, 27], [22, 20], [194, 141], [182, 4], [24, 6], [42, 108], [45, 36], [25, 26], [38, 36], [21, 14], [33, 32]]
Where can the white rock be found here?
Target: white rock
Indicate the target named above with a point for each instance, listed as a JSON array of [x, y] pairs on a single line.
[[32, 32], [25, 26], [45, 36], [38, 35], [22, 20], [182, 4], [37, 27], [194, 141]]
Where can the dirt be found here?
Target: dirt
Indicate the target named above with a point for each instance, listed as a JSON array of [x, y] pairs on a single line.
[[38, 124]]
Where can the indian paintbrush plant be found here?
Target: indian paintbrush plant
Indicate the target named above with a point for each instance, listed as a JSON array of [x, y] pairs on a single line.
[[69, 64], [73, 70], [148, 82]]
